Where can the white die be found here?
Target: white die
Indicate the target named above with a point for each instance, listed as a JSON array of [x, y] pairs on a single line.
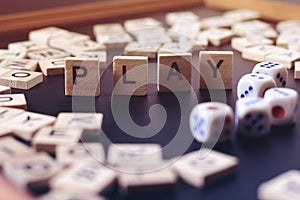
[[283, 103], [212, 121], [252, 116], [254, 85], [274, 69]]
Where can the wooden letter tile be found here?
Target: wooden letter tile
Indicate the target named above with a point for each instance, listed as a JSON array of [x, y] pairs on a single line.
[[47, 54], [5, 131], [181, 17], [13, 101], [147, 22], [52, 67], [5, 90], [259, 53], [110, 28], [219, 36], [32, 172], [241, 15], [199, 170], [8, 54], [85, 121], [287, 58], [254, 27], [47, 138], [82, 76], [19, 64], [77, 153], [85, 178], [67, 39], [285, 186], [152, 36], [285, 39], [26, 124], [21, 79], [124, 154], [10, 148], [67, 195], [100, 55], [176, 47], [130, 75], [114, 41], [174, 72], [87, 45], [217, 22], [297, 70], [81, 46], [216, 69], [185, 29], [139, 180], [42, 36], [141, 49], [8, 113], [241, 43], [28, 46]]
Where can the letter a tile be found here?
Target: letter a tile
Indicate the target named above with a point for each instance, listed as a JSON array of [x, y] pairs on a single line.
[[174, 72]]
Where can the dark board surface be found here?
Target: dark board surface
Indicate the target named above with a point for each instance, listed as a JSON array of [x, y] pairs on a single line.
[[260, 159]]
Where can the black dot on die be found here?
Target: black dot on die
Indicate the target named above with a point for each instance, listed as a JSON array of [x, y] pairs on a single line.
[[278, 76], [250, 89], [283, 83], [260, 128], [281, 79]]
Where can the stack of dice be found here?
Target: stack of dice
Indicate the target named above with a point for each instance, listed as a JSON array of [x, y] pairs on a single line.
[[263, 101]]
